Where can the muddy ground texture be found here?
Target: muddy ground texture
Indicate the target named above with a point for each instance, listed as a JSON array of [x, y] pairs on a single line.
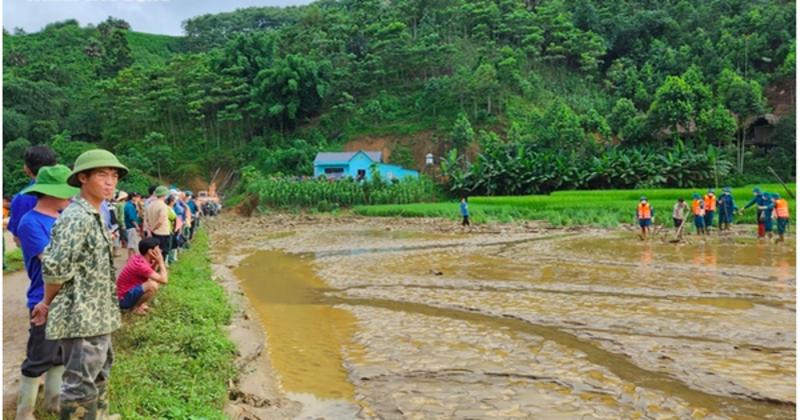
[[413, 318]]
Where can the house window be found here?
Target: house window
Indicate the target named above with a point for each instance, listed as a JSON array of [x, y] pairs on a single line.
[[361, 174], [334, 170]]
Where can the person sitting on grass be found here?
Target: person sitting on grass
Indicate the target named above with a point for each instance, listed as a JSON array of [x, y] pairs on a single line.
[[141, 277]]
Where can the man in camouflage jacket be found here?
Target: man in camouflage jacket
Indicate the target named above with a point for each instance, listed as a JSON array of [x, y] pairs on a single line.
[[80, 304]]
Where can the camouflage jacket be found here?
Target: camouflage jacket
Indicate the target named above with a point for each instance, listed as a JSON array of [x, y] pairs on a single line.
[[80, 258]]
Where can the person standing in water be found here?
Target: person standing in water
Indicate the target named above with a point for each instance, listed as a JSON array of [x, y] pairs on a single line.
[[679, 211], [644, 215], [726, 207], [761, 204], [699, 212], [464, 213], [782, 212]]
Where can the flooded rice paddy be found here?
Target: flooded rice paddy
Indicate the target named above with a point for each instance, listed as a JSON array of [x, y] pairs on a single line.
[[408, 323]]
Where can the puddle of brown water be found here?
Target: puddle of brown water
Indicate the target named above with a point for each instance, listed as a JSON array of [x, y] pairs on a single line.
[[716, 252], [305, 336]]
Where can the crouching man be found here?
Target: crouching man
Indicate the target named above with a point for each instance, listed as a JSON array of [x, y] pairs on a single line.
[[141, 277], [80, 306]]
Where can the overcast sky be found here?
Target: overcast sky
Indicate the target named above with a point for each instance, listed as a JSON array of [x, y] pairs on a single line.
[[153, 16]]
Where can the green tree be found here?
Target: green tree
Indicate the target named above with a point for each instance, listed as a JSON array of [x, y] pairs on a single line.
[[294, 87], [624, 110], [462, 134], [716, 125], [673, 106], [745, 100]]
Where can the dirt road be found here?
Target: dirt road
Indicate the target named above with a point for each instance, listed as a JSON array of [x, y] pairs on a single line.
[[15, 333], [15, 330]]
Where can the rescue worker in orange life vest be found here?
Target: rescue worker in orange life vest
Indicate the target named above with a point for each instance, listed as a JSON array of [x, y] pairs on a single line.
[[644, 215], [782, 213], [710, 205], [699, 212]]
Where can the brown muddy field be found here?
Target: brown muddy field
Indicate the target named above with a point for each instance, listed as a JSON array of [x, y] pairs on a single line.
[[412, 318]]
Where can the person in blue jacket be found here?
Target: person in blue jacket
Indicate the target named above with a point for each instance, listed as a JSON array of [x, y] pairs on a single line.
[[464, 212], [769, 205], [726, 208], [761, 201]]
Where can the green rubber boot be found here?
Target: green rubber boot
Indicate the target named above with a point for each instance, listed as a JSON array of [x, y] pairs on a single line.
[[102, 405], [52, 389], [26, 401], [79, 410]]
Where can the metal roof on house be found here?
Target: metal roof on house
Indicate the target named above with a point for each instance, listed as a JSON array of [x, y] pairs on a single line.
[[344, 157]]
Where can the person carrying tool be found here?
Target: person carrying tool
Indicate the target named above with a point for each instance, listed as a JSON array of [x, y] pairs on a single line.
[[761, 204], [679, 212], [768, 206], [710, 206], [644, 215], [726, 207], [699, 212], [782, 212]]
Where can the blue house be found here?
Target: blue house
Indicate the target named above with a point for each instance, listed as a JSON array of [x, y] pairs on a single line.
[[357, 165]]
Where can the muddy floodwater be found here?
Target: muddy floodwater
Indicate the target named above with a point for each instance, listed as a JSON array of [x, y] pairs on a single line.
[[404, 320]]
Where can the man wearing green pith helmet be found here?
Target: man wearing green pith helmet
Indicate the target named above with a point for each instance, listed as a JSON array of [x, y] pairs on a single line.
[[80, 304], [42, 356]]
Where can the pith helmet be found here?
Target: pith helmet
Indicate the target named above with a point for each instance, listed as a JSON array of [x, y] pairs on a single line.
[[161, 191], [52, 181], [93, 159]]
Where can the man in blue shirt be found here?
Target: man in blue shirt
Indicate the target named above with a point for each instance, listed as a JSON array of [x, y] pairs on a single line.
[[195, 213], [133, 223], [35, 157], [42, 356], [464, 212], [763, 203], [726, 207]]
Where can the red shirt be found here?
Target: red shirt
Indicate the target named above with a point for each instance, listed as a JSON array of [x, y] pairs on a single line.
[[135, 272]]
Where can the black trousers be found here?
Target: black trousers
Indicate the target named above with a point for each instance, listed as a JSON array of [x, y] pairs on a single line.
[[41, 354], [164, 244], [465, 222]]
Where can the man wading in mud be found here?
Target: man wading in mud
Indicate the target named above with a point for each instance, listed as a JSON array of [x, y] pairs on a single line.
[[80, 303], [464, 214]]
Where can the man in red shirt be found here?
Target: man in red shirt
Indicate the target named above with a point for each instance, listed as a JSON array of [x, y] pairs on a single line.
[[141, 277]]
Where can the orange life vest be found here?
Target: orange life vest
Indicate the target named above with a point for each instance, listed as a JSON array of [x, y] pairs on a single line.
[[697, 208], [710, 202], [644, 211], [782, 208]]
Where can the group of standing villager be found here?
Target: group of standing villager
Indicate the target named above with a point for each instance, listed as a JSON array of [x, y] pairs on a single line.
[[69, 224]]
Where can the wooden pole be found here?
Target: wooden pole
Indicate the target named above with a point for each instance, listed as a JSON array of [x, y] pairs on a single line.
[[788, 191]]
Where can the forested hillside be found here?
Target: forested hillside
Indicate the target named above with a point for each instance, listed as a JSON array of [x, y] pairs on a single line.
[[530, 96]]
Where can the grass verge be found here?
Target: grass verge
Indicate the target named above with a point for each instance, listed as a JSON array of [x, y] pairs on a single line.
[[176, 361], [12, 261], [604, 208]]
